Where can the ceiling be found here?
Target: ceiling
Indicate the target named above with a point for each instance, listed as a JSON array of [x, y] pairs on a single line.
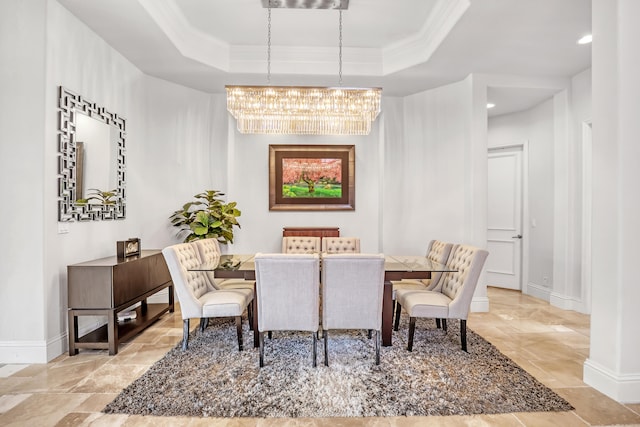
[[525, 49]]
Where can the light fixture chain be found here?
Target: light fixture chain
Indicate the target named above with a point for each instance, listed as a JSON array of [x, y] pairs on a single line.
[[269, 44], [340, 51]]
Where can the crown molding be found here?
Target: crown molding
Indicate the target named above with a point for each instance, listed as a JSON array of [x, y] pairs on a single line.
[[191, 43], [211, 51], [306, 60], [418, 48]]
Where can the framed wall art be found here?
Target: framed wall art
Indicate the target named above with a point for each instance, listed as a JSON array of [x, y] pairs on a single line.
[[312, 177]]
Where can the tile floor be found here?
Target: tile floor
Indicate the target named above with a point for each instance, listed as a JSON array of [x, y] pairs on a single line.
[[549, 343]]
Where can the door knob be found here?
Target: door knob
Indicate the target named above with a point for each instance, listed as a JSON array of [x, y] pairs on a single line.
[[519, 236]]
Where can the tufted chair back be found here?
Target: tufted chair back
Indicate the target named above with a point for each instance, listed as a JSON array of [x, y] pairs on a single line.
[[460, 285], [300, 245], [209, 251], [189, 285], [437, 251], [340, 245], [288, 295]]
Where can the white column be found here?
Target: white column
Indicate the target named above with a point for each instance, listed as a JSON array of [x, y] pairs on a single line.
[[613, 366]]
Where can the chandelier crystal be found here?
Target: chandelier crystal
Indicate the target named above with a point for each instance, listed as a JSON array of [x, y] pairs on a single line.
[[303, 110]]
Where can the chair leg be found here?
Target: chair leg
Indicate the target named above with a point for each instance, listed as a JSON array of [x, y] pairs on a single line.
[[250, 316], [261, 338], [270, 334], [377, 347], [438, 324], [412, 329], [463, 334], [315, 348], [326, 347], [239, 331], [204, 322], [444, 325], [369, 333], [185, 334], [396, 323]]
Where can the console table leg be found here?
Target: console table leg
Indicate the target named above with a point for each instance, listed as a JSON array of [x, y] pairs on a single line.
[[112, 332], [73, 332]]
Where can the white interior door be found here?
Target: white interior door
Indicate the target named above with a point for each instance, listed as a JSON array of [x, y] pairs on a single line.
[[504, 218]]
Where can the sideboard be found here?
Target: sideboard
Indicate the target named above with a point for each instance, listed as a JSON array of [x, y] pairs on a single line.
[[109, 285], [311, 231]]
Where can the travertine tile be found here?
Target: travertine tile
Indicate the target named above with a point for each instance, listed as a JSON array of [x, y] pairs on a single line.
[[596, 408], [549, 343]]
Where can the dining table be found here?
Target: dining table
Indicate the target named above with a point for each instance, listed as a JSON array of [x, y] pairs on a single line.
[[396, 267]]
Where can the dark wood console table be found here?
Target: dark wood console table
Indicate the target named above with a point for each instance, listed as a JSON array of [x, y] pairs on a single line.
[[311, 231], [109, 285]]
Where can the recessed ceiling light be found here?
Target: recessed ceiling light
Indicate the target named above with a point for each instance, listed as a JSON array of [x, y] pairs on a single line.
[[490, 105], [585, 39]]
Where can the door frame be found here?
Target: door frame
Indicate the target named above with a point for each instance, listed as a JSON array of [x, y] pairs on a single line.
[[524, 250]]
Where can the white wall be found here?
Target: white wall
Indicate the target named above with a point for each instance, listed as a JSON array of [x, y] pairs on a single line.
[[553, 130], [613, 366], [249, 186], [536, 127], [419, 173], [22, 84]]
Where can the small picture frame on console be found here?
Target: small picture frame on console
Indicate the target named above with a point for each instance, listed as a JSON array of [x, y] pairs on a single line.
[[128, 248]]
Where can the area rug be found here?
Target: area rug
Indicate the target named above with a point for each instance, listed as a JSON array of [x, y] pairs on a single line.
[[213, 379]]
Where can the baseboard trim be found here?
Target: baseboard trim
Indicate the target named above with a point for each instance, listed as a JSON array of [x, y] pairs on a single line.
[[621, 388], [23, 352], [479, 305], [567, 303], [538, 291]]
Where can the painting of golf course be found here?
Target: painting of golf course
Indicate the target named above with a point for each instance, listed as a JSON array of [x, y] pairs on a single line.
[[311, 177]]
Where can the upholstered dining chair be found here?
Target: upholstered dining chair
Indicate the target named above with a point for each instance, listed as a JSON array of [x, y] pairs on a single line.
[[352, 288], [437, 251], [454, 298], [338, 245], [300, 245], [197, 297], [209, 251], [287, 292]]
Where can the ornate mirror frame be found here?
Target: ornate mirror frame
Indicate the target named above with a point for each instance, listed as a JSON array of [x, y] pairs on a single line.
[[69, 207]]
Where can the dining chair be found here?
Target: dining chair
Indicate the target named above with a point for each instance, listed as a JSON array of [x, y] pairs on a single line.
[[209, 251], [300, 245], [437, 251], [287, 292], [352, 288], [337, 245], [197, 297], [453, 300]]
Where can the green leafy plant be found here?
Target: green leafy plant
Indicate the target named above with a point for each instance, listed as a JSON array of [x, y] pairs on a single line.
[[103, 197], [207, 217]]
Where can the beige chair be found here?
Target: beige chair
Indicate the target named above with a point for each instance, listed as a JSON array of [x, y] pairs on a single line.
[[287, 292], [352, 288], [209, 251], [339, 245], [454, 298], [300, 245], [437, 251], [197, 297]]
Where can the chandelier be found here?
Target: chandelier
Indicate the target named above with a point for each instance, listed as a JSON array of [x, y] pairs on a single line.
[[303, 110]]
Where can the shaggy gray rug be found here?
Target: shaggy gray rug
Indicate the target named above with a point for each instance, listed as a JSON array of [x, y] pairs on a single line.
[[213, 379]]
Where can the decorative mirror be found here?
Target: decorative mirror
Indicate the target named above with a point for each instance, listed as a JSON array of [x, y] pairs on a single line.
[[91, 160]]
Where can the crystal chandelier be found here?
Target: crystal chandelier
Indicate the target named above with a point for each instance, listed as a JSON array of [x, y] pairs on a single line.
[[303, 110]]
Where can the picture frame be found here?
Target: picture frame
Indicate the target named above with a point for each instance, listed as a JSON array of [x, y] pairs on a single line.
[[311, 177], [128, 248]]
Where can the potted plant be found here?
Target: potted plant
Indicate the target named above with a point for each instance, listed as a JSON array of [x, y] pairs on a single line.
[[207, 217]]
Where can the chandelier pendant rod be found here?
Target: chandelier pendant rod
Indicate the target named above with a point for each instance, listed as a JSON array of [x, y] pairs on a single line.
[[339, 52], [269, 44]]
